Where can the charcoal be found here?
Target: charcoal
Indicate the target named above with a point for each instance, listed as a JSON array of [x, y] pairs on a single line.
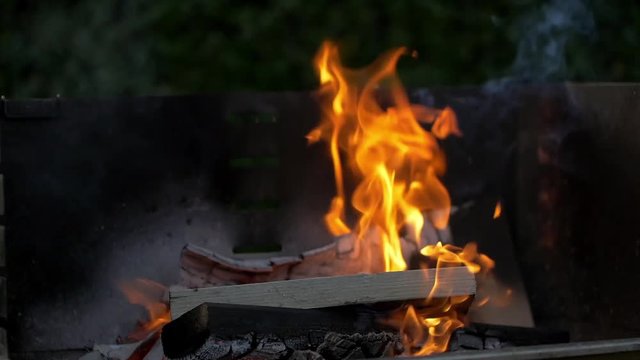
[[241, 345], [269, 347], [305, 355], [339, 346], [316, 337], [190, 331], [377, 344], [485, 336], [491, 343], [356, 353], [470, 341], [356, 346], [392, 349], [299, 342], [213, 349], [334, 346]]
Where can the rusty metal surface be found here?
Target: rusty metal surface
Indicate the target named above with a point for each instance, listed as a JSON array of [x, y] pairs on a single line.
[[577, 232]]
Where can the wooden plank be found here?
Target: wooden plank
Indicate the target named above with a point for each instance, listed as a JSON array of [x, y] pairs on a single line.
[[330, 291]]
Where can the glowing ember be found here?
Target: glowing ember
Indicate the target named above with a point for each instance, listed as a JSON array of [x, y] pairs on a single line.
[[498, 210], [149, 294], [375, 132]]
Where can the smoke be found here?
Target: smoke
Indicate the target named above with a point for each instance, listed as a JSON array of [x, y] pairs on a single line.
[[542, 50], [543, 35]]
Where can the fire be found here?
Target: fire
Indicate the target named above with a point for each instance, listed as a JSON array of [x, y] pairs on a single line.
[[425, 333], [373, 130], [440, 317], [498, 210], [396, 160], [149, 294]]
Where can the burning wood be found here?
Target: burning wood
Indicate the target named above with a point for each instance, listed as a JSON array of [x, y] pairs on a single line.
[[396, 161], [152, 296], [200, 267], [188, 333], [397, 164], [142, 343], [377, 136], [146, 349], [213, 331], [334, 346], [497, 211], [333, 290]]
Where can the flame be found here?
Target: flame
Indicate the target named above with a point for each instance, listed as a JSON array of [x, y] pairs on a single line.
[[451, 255], [149, 294], [397, 162], [373, 130], [440, 318], [425, 334], [498, 210]]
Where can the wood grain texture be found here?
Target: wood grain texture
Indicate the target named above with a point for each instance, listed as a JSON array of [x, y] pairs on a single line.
[[330, 291]]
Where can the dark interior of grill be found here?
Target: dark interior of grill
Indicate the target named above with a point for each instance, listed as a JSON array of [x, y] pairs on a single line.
[[98, 190]]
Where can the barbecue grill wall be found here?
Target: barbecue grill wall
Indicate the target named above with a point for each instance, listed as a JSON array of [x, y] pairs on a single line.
[[103, 190]]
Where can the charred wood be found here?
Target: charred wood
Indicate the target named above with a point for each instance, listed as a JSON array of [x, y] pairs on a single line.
[[488, 337], [184, 335], [201, 267], [333, 346]]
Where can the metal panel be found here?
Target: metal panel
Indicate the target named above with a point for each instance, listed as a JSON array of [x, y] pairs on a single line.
[[591, 350], [111, 189]]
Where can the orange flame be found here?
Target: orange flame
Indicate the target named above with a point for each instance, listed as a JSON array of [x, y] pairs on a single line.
[[451, 255], [498, 210], [149, 294], [397, 163], [440, 318], [425, 334], [396, 160]]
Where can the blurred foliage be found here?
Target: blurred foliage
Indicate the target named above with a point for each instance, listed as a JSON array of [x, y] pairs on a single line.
[[132, 47]]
